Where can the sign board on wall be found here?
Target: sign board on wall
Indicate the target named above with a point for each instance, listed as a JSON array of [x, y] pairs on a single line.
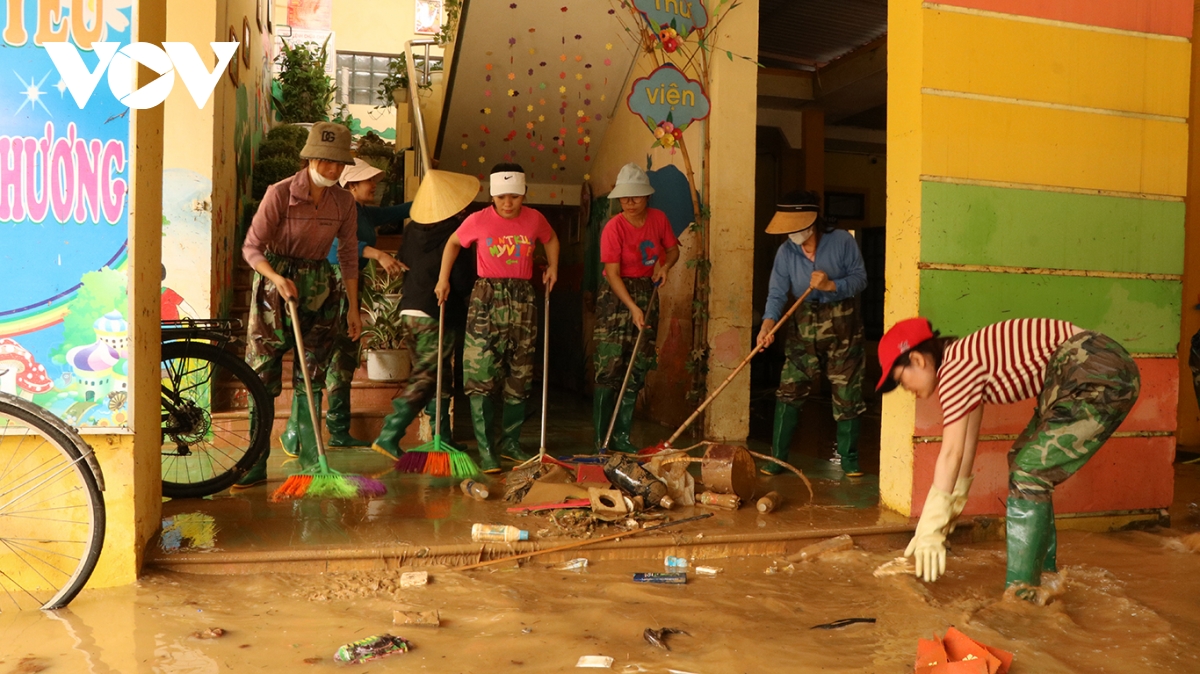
[[667, 97], [310, 14], [681, 16], [64, 172]]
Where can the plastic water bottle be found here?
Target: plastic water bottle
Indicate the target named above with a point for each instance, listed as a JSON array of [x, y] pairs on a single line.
[[475, 490], [675, 562], [497, 533]]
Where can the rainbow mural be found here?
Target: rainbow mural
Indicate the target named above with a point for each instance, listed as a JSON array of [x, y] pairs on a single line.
[[64, 206]]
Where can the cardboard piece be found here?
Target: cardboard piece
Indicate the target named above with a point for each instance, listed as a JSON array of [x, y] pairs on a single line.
[[548, 492]]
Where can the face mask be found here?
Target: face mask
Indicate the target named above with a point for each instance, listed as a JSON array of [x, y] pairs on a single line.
[[318, 179], [801, 236]]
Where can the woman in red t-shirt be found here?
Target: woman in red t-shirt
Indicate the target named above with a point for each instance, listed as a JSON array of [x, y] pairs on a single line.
[[1085, 384], [637, 249]]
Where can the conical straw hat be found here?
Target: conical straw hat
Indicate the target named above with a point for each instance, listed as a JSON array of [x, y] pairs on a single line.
[[441, 195]]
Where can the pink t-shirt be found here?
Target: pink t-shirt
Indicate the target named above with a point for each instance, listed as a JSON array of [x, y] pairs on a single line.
[[637, 248], [505, 247]]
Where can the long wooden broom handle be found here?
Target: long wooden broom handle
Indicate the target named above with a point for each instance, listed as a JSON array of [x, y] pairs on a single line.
[[302, 360], [437, 406], [637, 345], [746, 361]]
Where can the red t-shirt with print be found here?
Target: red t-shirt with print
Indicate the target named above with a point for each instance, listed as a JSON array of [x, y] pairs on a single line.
[[637, 249], [505, 247]]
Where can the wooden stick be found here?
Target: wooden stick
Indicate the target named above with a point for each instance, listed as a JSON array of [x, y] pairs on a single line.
[[580, 544], [712, 396], [637, 345], [787, 465]]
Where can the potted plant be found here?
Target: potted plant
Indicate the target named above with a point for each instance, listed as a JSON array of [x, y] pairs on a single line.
[[383, 333]]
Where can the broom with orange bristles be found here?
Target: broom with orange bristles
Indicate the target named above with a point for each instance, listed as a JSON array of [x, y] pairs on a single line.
[[436, 457], [320, 480]]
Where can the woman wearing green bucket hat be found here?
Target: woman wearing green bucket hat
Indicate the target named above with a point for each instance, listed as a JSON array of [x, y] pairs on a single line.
[[638, 249], [296, 223]]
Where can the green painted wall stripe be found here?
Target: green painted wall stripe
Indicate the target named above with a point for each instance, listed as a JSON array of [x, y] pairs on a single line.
[[1142, 315], [969, 224]]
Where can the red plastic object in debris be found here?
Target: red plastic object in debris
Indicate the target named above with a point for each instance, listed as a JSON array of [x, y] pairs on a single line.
[[590, 472], [958, 653], [651, 451]]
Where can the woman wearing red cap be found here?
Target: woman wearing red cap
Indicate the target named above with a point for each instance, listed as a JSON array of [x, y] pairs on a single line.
[[1085, 384]]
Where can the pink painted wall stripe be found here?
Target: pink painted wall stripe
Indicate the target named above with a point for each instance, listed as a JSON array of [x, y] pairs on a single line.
[[1162, 17]]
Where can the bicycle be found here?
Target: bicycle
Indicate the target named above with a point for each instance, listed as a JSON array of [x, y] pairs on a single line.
[[216, 412], [52, 515]]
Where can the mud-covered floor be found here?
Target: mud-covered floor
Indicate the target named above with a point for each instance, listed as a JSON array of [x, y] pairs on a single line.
[[1129, 606]]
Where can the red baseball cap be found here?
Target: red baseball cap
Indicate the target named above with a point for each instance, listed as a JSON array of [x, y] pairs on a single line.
[[900, 338]]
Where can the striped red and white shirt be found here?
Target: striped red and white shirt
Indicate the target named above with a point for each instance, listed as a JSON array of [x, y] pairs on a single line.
[[1002, 363]]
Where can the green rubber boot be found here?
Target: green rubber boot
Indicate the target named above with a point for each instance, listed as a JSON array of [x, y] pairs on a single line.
[[510, 436], [603, 402], [308, 439], [445, 428], [787, 416], [1050, 563], [394, 427], [1029, 529], [848, 431], [256, 475], [620, 441], [337, 420], [290, 439], [481, 420]]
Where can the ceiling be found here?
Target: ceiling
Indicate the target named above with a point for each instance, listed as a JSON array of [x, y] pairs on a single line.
[[809, 34]]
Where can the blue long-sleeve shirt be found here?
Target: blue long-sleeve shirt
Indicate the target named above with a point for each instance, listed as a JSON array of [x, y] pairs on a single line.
[[371, 218], [837, 256]]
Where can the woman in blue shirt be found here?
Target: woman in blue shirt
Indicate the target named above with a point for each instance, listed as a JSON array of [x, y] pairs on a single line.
[[826, 332]]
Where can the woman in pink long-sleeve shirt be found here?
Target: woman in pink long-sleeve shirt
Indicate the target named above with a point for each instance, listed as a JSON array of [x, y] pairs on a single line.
[[291, 234]]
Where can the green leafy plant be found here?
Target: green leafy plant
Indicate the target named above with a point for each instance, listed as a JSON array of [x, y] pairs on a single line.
[[305, 92], [453, 9], [379, 294], [397, 79]]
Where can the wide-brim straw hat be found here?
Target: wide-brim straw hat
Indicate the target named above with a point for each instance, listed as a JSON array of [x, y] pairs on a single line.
[[442, 195], [792, 218], [359, 172], [632, 181], [328, 141]]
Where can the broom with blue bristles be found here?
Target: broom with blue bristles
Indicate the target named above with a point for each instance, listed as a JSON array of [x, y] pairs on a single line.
[[320, 481], [438, 458]]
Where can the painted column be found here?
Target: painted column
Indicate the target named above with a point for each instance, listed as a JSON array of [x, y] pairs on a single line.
[[731, 164], [1038, 168]]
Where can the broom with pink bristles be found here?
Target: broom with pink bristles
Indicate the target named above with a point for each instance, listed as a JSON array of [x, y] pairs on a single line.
[[320, 481], [437, 458]]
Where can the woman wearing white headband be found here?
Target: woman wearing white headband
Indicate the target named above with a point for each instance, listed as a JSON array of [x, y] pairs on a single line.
[[502, 319]]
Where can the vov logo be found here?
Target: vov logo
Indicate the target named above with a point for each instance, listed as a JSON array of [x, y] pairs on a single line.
[[171, 58]]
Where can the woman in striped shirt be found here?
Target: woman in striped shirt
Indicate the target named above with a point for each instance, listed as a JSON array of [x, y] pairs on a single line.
[[1085, 384]]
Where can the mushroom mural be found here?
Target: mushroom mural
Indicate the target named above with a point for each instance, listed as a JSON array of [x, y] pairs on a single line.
[[20, 374]]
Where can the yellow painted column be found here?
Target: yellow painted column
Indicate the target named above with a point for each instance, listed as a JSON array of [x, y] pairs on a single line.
[[904, 133], [731, 164]]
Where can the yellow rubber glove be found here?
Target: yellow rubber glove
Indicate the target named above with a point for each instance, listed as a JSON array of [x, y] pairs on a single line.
[[962, 488], [928, 545]]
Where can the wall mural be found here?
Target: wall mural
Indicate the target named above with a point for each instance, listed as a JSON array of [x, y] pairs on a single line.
[[64, 332]]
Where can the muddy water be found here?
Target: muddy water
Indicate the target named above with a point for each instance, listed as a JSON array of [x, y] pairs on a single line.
[[1129, 606]]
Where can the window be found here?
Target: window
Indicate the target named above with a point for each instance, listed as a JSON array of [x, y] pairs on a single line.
[[358, 77]]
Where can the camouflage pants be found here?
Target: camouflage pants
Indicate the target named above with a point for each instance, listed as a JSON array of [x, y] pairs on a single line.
[[615, 335], [345, 357], [270, 335], [421, 340], [499, 345], [825, 338], [1091, 384]]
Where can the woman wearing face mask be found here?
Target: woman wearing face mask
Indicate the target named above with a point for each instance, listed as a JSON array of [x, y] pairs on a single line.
[[826, 334], [296, 223]]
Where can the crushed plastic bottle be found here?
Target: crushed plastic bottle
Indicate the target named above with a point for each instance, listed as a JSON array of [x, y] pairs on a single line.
[[476, 490], [675, 562], [626, 474], [371, 648]]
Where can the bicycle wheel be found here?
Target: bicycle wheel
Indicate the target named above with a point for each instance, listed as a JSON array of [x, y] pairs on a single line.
[[216, 419], [51, 509]]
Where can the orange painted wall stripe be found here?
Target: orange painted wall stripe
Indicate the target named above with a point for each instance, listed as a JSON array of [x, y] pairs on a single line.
[[1154, 410], [1162, 17]]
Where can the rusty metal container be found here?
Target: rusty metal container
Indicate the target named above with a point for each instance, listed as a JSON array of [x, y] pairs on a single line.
[[729, 469]]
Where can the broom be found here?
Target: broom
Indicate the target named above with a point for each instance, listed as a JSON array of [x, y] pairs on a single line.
[[435, 457], [320, 481]]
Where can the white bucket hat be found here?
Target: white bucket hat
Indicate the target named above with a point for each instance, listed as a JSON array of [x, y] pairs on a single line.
[[632, 181]]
